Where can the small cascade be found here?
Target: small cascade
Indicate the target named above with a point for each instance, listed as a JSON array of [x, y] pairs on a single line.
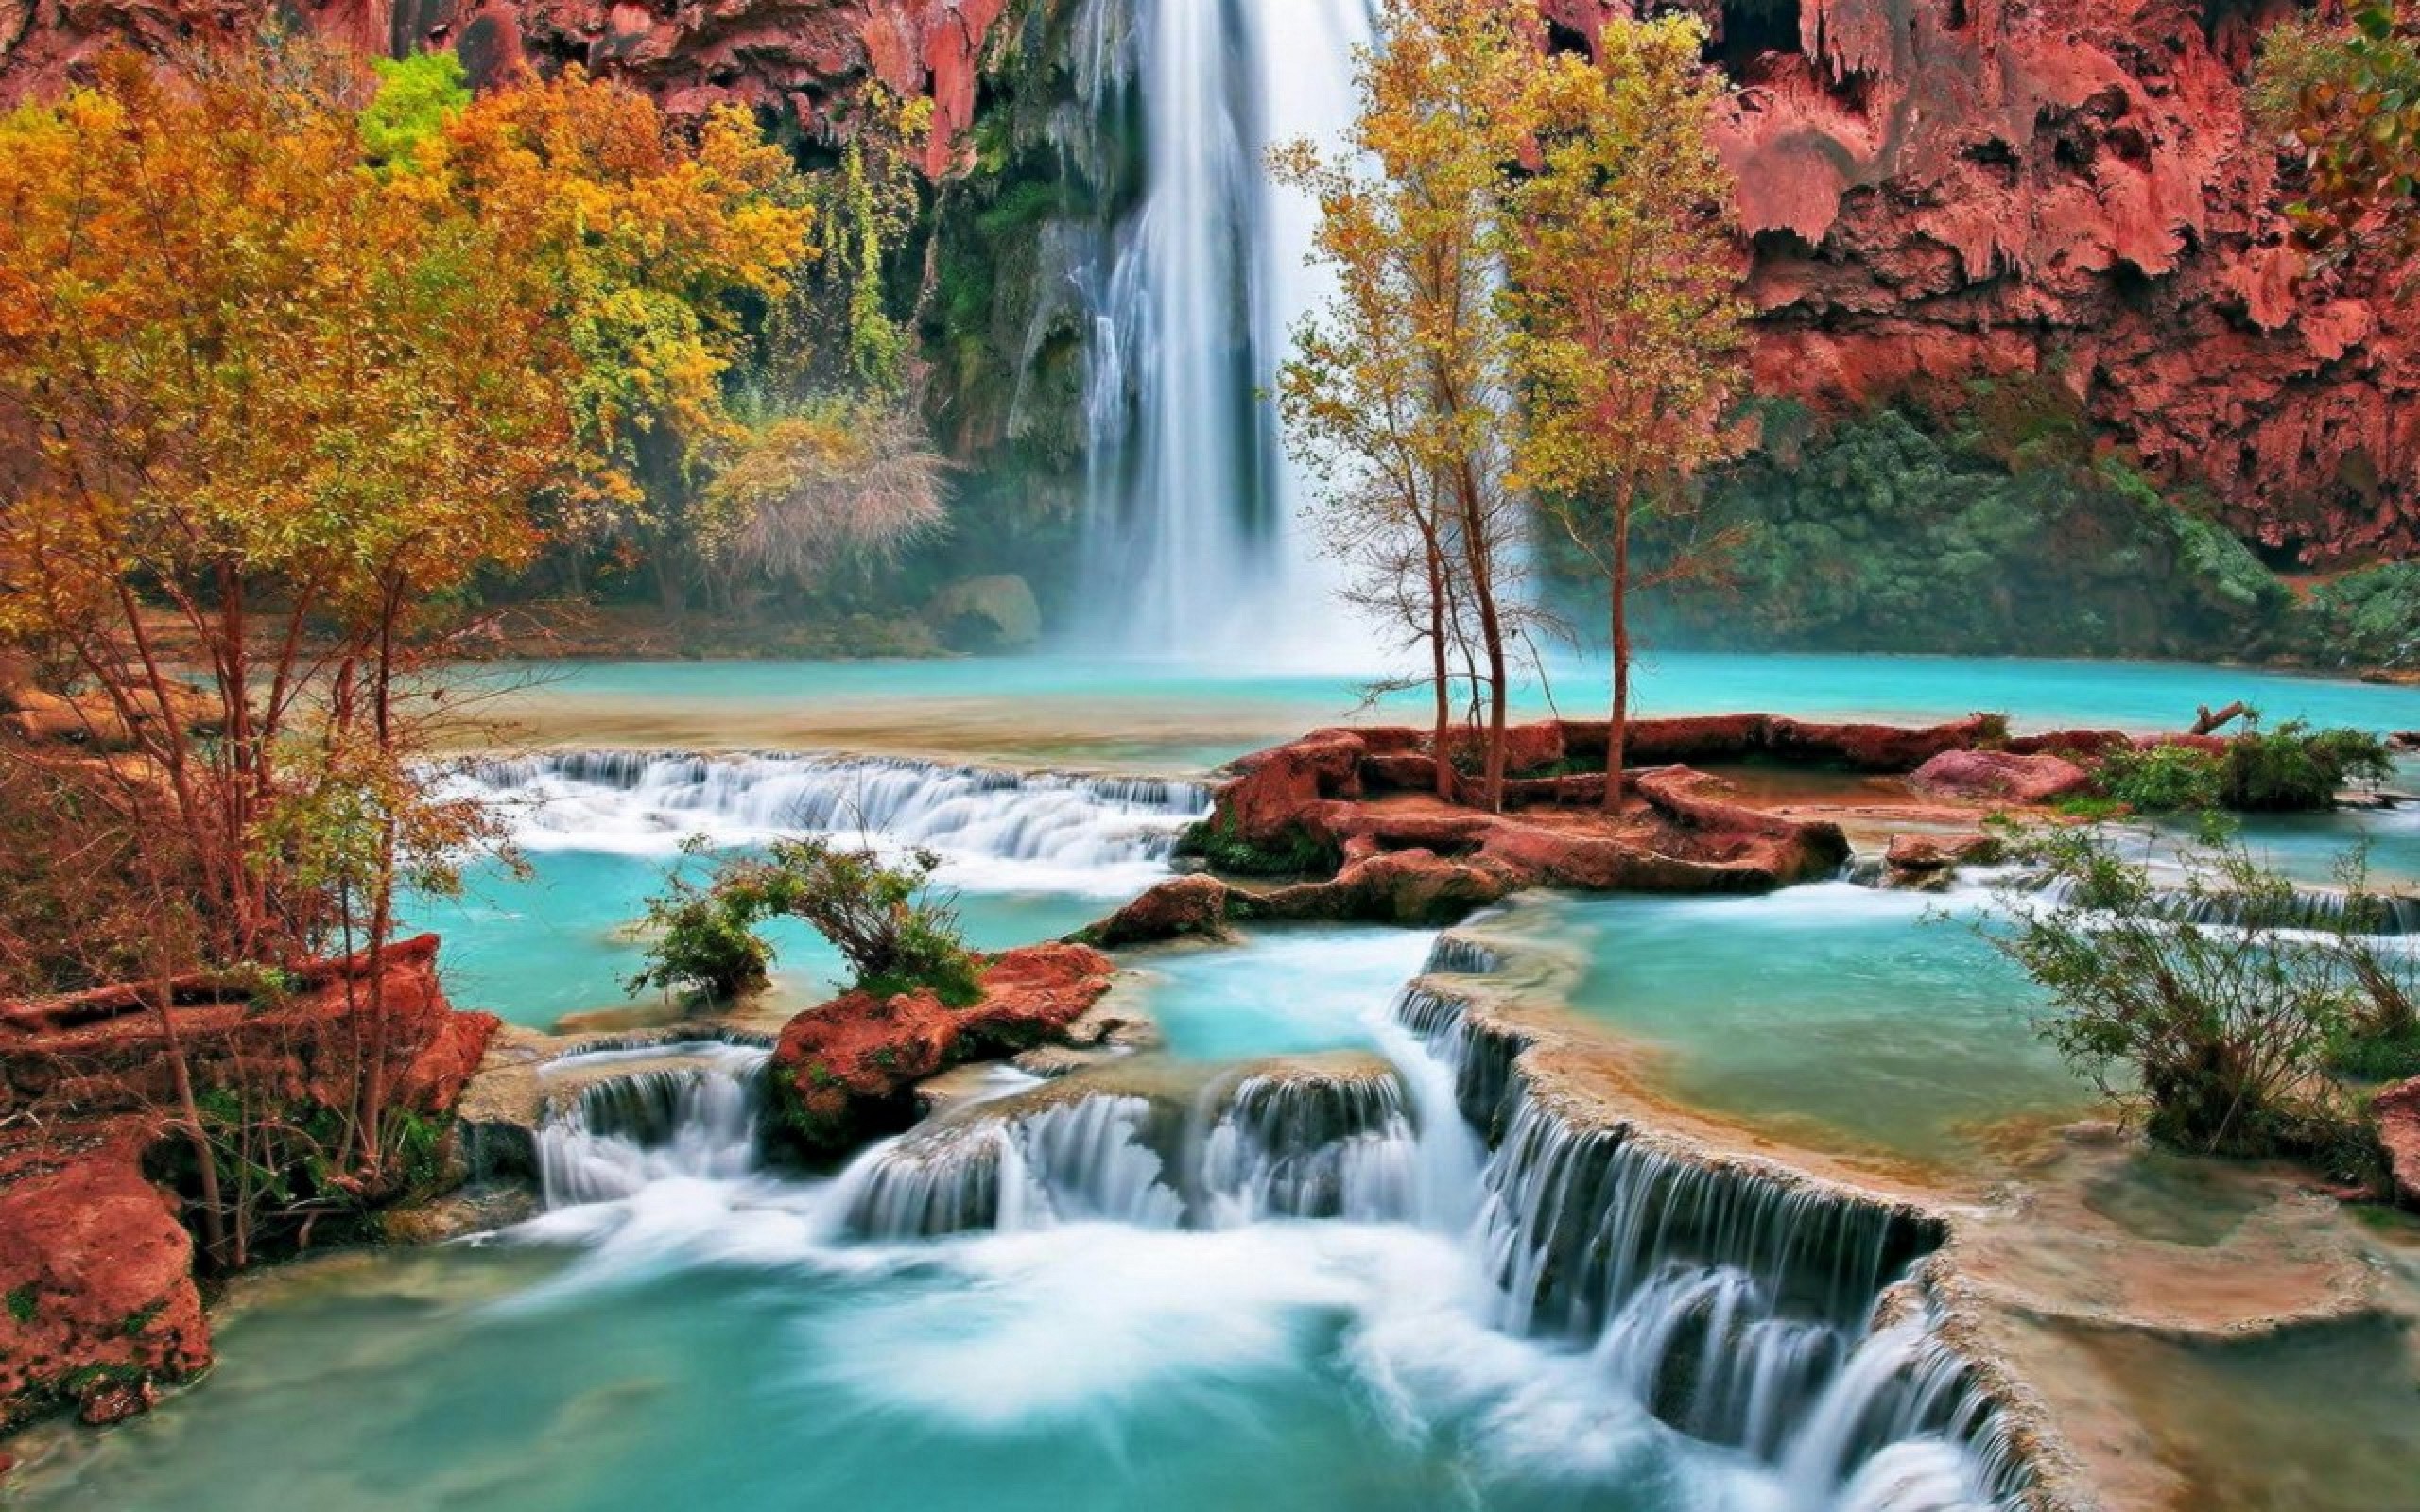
[[2320, 910], [1480, 1065], [1461, 956], [1088, 1159], [696, 1115], [1307, 1142], [649, 800], [1294, 1147], [1736, 1305]]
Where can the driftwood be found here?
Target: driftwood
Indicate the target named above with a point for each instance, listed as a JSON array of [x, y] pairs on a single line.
[[2209, 723]]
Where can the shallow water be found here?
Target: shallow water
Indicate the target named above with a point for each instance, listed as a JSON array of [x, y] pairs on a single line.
[[1879, 1016], [1187, 716], [1284, 991]]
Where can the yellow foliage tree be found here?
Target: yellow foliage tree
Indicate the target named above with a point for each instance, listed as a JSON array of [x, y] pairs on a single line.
[[1624, 281]]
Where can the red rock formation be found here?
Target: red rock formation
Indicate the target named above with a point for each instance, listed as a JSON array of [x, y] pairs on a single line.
[[2068, 189], [799, 57], [847, 1070], [2001, 775], [97, 1302], [2398, 1114], [1933, 190]]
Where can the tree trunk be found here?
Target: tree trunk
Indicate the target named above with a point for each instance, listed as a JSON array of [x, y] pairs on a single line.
[[1618, 729], [214, 1208], [1439, 674]]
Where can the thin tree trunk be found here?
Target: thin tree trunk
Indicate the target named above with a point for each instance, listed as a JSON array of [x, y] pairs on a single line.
[[214, 1211], [1617, 730], [1440, 675]]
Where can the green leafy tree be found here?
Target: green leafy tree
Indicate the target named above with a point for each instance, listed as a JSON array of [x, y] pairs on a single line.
[[897, 931], [1624, 280], [2347, 97], [417, 96]]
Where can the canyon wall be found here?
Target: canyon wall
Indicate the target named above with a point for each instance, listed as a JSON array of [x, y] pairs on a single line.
[[1941, 189], [1931, 191]]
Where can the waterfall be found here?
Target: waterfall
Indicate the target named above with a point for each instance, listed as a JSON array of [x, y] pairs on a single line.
[[1288, 1146], [2321, 910], [1298, 1143], [1191, 536], [695, 1115], [647, 802], [1091, 1159]]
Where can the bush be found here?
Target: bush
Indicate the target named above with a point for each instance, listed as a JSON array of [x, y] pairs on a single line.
[[2294, 768], [2216, 1004], [1295, 851], [886, 919], [2163, 780], [704, 941]]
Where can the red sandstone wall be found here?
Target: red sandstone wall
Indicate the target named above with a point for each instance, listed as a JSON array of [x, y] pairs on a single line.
[[1937, 189], [1943, 188]]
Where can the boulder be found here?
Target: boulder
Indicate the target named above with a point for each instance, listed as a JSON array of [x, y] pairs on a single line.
[[1180, 909], [2000, 776], [996, 613], [846, 1071], [2398, 1114], [97, 1302]]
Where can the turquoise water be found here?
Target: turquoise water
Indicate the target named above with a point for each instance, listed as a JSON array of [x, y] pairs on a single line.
[[564, 941], [1187, 716], [704, 1344], [1854, 1008], [1284, 991]]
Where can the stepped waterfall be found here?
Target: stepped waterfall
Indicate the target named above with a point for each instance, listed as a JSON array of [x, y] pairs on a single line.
[[1193, 536], [1760, 1317]]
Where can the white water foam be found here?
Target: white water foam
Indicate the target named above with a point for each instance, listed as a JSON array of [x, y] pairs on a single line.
[[994, 830]]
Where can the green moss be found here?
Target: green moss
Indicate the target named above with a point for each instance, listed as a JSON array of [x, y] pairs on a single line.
[[141, 1317], [1294, 851], [22, 1303], [1981, 526]]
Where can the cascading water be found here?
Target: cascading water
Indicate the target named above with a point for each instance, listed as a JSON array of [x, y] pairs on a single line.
[[1773, 1318], [695, 1116], [1053, 826], [1192, 537]]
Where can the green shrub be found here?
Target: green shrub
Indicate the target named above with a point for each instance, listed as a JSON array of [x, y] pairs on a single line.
[[1296, 850], [2163, 780], [2233, 1034], [885, 917], [2296, 769], [21, 1305]]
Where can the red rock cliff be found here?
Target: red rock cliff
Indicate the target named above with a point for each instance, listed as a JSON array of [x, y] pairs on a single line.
[[798, 56], [1934, 189], [1938, 189]]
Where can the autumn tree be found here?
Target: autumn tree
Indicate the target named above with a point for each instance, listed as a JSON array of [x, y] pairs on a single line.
[[1624, 283], [279, 382], [1396, 395], [2347, 97]]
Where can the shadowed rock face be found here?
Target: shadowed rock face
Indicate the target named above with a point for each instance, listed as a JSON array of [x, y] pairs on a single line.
[[799, 58], [1943, 189]]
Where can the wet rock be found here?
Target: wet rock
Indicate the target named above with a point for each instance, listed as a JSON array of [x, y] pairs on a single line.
[[1182, 909], [2398, 1115], [2002, 776], [1923, 861], [847, 1070], [996, 613], [97, 1302]]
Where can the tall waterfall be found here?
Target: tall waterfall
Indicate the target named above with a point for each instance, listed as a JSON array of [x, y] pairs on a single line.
[[1192, 536]]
